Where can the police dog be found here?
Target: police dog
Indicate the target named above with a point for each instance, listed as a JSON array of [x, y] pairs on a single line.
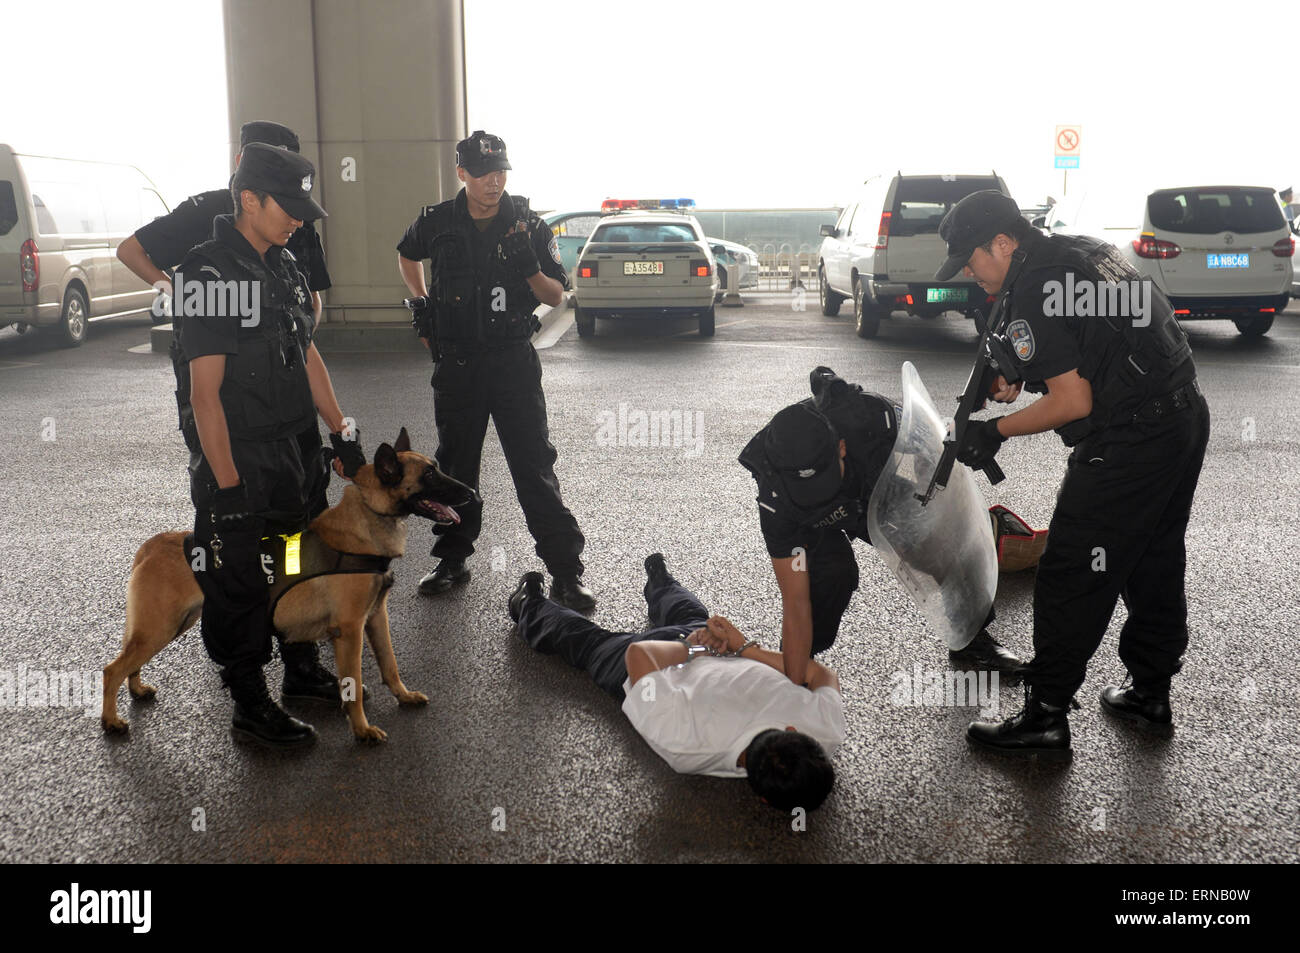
[[163, 599]]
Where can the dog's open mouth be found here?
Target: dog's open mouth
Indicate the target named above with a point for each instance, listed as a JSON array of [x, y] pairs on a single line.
[[442, 515]]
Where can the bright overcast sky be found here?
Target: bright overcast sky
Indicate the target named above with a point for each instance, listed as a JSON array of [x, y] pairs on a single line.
[[756, 103]]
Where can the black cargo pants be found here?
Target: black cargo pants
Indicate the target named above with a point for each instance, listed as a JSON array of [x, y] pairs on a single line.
[[236, 625], [504, 383], [552, 629], [1119, 531]]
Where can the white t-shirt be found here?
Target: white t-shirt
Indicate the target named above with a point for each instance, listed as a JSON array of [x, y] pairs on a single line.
[[700, 717]]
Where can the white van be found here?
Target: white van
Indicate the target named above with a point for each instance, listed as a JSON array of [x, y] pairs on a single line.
[[61, 221]]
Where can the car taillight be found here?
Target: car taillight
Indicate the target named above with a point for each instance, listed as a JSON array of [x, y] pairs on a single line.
[[700, 268], [882, 235], [29, 263], [588, 270], [1148, 246], [1284, 247]]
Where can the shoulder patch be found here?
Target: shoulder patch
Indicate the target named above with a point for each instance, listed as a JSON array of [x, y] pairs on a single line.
[[1021, 337], [196, 199], [554, 248]]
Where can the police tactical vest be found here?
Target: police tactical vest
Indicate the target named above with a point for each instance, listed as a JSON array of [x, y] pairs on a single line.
[[474, 311], [265, 393], [1126, 367]]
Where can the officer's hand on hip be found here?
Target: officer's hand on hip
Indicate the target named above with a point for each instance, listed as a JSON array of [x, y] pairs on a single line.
[[980, 443], [517, 248]]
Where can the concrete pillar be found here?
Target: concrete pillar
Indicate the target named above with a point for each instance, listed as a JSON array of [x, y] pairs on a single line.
[[375, 90]]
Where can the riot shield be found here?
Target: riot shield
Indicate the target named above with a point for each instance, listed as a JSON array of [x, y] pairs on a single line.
[[943, 553]]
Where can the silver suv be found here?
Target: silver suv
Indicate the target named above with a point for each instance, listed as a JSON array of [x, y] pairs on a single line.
[[884, 249]]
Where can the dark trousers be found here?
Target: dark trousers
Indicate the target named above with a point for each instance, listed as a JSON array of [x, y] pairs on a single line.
[[554, 630], [505, 384], [1119, 531], [832, 580], [236, 626]]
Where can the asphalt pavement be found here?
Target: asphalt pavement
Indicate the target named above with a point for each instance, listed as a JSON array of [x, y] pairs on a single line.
[[517, 757]]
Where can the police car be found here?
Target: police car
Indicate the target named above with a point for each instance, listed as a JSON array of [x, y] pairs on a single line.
[[645, 258]]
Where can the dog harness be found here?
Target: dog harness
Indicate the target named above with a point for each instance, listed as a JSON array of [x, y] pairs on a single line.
[[289, 559]]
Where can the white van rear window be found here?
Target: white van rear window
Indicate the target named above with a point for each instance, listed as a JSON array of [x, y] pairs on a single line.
[[8, 208]]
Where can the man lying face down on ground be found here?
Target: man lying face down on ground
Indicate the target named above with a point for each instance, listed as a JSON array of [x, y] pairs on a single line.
[[705, 698]]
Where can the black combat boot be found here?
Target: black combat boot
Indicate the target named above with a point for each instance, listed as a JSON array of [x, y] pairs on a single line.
[[1147, 706], [305, 679], [530, 587], [450, 572], [569, 591], [1038, 730], [984, 651], [258, 718]]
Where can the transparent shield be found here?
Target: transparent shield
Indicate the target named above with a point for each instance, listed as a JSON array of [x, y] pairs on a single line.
[[942, 553]]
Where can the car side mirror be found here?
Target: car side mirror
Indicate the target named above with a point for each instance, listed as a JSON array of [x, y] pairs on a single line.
[[1040, 221], [829, 231]]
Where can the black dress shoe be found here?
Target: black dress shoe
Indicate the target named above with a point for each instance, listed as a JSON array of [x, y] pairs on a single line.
[[1039, 730], [985, 651], [1149, 709], [450, 572], [530, 586], [569, 591], [656, 572], [258, 718]]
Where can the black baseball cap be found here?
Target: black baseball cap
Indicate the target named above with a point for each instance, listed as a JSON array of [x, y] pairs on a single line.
[[285, 175], [804, 449], [972, 222], [270, 133], [482, 153]]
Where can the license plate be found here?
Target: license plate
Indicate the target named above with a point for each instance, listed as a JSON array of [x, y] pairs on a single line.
[[946, 294], [643, 267], [1232, 260]]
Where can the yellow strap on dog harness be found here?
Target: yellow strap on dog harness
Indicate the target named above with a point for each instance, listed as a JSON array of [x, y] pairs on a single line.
[[292, 553]]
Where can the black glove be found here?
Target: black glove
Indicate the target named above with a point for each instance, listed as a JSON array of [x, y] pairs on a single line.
[[349, 451], [980, 443], [231, 512], [421, 309], [235, 539], [517, 249]]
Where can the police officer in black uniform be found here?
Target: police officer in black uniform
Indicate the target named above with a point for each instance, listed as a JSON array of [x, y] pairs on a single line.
[[816, 463], [162, 244], [252, 393], [1120, 389], [492, 261]]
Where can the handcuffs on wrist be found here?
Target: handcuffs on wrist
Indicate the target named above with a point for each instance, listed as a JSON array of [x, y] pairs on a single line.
[[693, 650]]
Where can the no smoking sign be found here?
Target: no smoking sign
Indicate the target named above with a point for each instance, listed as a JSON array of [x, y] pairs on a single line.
[[1067, 146]]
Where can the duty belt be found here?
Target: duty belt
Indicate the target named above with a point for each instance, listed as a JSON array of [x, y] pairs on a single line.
[[1170, 404]]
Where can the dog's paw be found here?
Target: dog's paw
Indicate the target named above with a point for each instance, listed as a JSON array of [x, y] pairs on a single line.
[[114, 726], [413, 698], [371, 734], [145, 693]]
